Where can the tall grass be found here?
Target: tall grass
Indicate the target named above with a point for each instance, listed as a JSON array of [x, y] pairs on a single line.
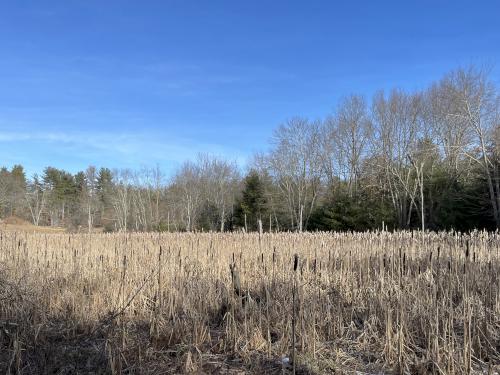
[[169, 303]]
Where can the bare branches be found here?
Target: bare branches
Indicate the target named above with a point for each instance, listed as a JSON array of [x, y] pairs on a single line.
[[295, 165]]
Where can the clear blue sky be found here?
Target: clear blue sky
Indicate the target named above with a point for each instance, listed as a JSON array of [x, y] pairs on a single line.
[[131, 83]]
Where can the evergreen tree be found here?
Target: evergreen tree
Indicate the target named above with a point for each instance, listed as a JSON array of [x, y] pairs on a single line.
[[253, 203], [4, 190], [343, 212], [104, 190], [62, 194], [18, 190]]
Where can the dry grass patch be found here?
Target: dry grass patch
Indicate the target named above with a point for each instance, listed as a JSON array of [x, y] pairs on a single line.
[[232, 303]]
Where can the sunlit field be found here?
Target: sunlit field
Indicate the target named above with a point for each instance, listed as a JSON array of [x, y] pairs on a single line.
[[243, 303]]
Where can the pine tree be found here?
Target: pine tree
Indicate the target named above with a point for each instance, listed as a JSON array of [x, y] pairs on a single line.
[[253, 203]]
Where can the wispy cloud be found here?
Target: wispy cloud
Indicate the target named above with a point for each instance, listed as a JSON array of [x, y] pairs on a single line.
[[108, 149]]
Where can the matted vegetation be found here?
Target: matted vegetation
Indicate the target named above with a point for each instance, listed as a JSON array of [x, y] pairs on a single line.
[[232, 303]]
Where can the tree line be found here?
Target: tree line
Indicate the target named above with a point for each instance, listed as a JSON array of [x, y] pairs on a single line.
[[425, 159]]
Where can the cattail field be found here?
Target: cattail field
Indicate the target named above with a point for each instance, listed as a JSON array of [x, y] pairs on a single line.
[[310, 303]]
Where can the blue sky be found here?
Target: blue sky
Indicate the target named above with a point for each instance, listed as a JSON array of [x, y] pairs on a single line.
[[134, 83]]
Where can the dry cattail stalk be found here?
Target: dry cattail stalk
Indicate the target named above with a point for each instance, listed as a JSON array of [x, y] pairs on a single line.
[[122, 301]]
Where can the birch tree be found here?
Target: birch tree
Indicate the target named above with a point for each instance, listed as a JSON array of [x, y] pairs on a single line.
[[36, 199]]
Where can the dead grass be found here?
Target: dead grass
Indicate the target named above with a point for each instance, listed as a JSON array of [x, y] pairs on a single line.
[[16, 224], [168, 303]]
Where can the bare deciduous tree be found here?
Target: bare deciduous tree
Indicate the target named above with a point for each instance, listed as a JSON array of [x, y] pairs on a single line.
[[474, 108], [397, 131], [36, 199], [353, 132], [295, 165], [187, 190], [90, 197], [121, 197], [220, 182]]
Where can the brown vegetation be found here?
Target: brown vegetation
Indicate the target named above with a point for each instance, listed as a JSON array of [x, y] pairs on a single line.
[[14, 223], [232, 303]]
